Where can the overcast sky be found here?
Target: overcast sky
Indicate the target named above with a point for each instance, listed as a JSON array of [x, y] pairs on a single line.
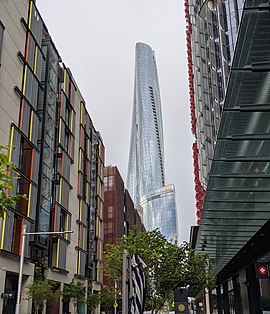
[[96, 40]]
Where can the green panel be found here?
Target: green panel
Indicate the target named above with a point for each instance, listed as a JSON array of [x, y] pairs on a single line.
[[255, 3], [243, 150], [238, 196], [253, 38], [244, 124], [246, 89], [240, 169], [239, 184], [81, 309]]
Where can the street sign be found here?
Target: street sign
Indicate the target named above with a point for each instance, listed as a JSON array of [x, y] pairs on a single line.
[[180, 301], [7, 295], [181, 308], [262, 270], [115, 305]]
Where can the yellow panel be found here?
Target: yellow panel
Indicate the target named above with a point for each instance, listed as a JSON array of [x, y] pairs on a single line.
[[65, 79], [81, 113], [97, 226], [71, 120], [66, 235], [11, 143], [101, 210], [29, 200], [87, 187], [79, 262], [60, 130], [60, 191], [30, 14], [3, 230], [24, 80], [57, 253], [31, 125], [35, 61]]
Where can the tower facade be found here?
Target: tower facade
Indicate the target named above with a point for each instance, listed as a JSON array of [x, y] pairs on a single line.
[[146, 156], [211, 33]]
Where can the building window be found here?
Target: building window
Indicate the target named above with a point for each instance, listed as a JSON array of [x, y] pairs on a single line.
[[26, 157], [63, 221], [109, 183], [110, 212], [2, 28], [23, 205]]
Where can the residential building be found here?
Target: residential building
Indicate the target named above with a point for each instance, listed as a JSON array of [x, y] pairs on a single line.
[[228, 58], [120, 216], [60, 157], [146, 157]]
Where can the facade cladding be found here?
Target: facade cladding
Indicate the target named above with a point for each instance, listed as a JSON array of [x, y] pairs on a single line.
[[211, 38], [119, 213], [146, 156], [60, 158], [234, 225]]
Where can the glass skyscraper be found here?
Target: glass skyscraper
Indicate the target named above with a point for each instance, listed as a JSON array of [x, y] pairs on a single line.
[[146, 181]]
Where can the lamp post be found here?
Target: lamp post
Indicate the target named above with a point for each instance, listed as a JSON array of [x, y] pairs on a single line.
[[24, 234], [124, 282]]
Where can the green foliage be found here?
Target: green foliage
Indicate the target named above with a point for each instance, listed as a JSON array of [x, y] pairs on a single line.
[[168, 266], [41, 292], [92, 300], [107, 298], [75, 292], [8, 175]]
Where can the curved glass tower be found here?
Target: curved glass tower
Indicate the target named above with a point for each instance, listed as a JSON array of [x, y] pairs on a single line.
[[146, 157]]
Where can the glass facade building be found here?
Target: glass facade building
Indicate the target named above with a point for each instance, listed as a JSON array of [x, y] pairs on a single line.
[[146, 156], [211, 39], [155, 204], [233, 209]]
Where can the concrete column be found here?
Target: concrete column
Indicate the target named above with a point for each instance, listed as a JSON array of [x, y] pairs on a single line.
[[26, 304], [61, 298], [219, 300], [2, 286], [253, 287], [226, 307], [237, 296]]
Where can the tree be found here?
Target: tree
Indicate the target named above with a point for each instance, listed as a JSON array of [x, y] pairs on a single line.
[[76, 293], [107, 298], [92, 300], [41, 292], [8, 175], [168, 266]]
